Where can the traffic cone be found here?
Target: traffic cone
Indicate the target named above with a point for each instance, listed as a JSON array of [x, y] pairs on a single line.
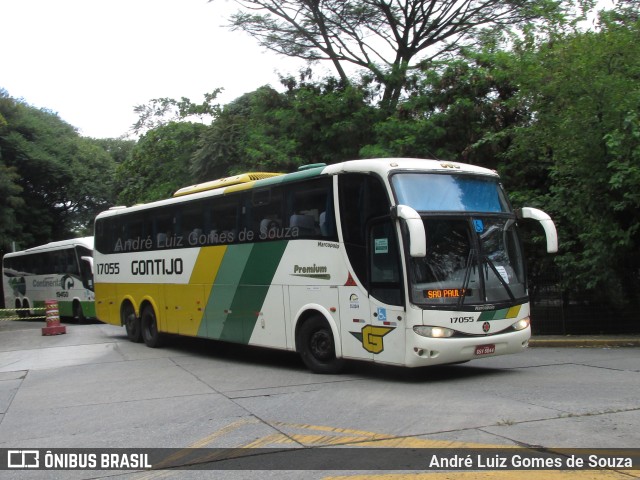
[[53, 319]]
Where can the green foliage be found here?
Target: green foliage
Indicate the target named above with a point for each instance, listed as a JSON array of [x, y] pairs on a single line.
[[161, 111], [581, 150], [51, 175], [249, 134], [159, 163], [10, 203], [457, 111], [330, 122], [117, 148], [272, 131]]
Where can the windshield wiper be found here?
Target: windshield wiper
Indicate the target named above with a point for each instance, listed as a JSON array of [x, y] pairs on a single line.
[[486, 260], [467, 277]]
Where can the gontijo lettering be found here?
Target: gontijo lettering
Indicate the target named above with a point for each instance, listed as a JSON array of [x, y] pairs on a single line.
[[158, 266]]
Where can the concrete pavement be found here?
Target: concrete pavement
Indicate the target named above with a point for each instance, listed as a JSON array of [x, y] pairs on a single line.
[[93, 388]]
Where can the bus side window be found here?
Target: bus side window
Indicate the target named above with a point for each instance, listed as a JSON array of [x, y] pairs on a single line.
[[222, 219], [70, 262], [263, 214], [310, 209], [161, 227], [192, 223], [106, 234]]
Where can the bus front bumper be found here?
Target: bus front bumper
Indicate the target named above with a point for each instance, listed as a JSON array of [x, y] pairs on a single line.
[[424, 351]]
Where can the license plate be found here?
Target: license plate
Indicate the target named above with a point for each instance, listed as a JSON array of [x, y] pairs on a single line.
[[485, 349]]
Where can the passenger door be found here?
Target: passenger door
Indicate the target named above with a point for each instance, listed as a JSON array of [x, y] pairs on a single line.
[[385, 337]]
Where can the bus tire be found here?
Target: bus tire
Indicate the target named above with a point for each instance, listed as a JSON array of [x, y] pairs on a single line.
[[21, 313], [131, 323], [317, 346], [78, 314], [152, 338]]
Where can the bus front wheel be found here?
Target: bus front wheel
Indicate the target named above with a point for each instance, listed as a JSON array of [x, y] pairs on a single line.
[[317, 346], [131, 323], [78, 313], [152, 338]]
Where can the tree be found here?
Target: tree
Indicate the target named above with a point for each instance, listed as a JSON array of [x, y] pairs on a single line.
[[160, 111], [456, 110], [311, 122], [386, 38], [330, 121], [582, 139], [222, 149], [118, 148], [56, 181], [159, 164], [10, 204], [90, 188]]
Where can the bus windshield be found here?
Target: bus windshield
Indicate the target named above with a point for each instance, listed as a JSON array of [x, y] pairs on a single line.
[[470, 261], [473, 250], [428, 192]]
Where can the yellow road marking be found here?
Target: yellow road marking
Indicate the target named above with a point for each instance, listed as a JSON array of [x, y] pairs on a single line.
[[332, 436], [202, 443], [362, 438], [223, 431], [264, 442]]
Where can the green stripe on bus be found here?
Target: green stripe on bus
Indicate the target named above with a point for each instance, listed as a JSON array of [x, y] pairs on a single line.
[[239, 290], [281, 179], [254, 286], [492, 315], [511, 312], [223, 290]]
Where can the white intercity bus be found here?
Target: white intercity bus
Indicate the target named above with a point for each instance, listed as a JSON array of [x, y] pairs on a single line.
[[61, 271], [398, 261]]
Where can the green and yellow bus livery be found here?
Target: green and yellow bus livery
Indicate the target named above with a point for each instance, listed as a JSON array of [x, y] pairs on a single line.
[[399, 261]]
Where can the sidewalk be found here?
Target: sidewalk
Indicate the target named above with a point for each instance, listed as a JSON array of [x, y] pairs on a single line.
[[586, 341]]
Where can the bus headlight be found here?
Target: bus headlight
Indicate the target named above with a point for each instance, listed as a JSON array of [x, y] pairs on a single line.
[[433, 332], [521, 324]]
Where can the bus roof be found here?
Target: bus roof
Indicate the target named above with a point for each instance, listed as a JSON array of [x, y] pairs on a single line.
[[383, 166], [225, 182], [248, 181], [82, 241]]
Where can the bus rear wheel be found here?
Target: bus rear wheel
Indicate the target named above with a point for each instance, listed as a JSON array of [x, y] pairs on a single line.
[[131, 323], [19, 306], [317, 346], [152, 338]]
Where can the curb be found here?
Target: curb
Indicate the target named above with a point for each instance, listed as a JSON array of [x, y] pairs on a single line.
[[589, 341]]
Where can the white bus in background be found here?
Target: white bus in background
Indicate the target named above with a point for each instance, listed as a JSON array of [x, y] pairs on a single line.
[[398, 261], [61, 271]]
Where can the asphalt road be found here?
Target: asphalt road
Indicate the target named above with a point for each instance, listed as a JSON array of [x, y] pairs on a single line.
[[92, 388]]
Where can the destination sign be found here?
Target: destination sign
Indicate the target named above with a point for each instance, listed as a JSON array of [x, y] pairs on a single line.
[[446, 293]]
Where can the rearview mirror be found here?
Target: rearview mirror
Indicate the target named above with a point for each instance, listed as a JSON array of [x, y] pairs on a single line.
[[546, 222], [89, 261], [415, 226]]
